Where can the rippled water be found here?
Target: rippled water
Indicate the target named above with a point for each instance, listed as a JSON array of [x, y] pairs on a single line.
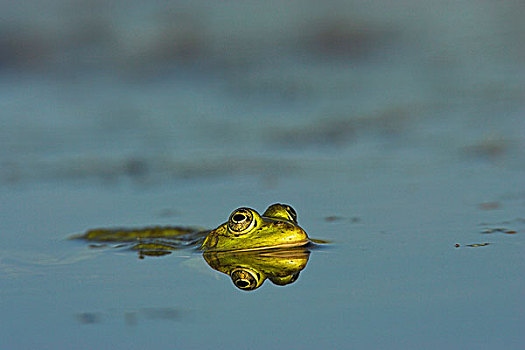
[[396, 133]]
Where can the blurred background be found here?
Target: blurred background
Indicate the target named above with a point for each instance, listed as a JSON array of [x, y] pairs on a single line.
[[395, 129], [153, 92]]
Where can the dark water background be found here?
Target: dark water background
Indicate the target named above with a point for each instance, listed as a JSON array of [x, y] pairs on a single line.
[[395, 130]]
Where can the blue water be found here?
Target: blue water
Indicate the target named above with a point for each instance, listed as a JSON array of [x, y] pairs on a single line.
[[396, 133]]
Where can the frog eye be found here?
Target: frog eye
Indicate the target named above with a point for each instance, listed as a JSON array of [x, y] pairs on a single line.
[[281, 211], [245, 279], [241, 221]]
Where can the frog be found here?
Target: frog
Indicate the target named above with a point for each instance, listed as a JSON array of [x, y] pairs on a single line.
[[245, 230], [249, 247]]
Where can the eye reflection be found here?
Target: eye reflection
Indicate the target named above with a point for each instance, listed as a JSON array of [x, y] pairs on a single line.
[[244, 279]]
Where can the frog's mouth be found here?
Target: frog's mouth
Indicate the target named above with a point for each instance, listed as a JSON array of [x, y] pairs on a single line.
[[274, 246]]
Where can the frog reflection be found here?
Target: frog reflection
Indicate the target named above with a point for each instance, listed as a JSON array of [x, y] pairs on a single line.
[[249, 247], [248, 270]]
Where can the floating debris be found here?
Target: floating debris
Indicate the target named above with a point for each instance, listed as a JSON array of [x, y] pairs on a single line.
[[498, 229], [474, 245], [478, 245]]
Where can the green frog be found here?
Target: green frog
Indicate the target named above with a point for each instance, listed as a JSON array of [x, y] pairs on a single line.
[[249, 247], [245, 230]]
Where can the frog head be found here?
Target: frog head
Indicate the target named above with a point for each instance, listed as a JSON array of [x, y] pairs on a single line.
[[246, 229]]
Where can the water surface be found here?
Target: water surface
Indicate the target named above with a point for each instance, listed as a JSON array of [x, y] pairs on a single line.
[[395, 133]]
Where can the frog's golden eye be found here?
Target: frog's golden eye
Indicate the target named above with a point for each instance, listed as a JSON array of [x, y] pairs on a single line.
[[241, 221], [245, 279]]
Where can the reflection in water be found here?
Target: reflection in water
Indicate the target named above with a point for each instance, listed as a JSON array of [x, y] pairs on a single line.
[[248, 270]]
